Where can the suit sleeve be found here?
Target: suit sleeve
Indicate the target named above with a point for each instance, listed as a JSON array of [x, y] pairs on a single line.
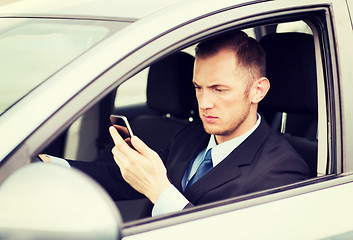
[[109, 177]]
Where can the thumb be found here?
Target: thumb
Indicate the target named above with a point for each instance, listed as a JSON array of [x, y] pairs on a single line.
[[142, 148]]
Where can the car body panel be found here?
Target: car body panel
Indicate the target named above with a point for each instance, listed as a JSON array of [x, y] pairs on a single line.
[[343, 36], [350, 8], [305, 216], [91, 9]]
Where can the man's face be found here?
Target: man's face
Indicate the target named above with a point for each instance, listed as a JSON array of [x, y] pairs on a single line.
[[223, 99]]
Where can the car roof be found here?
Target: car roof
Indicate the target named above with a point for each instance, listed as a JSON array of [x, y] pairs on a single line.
[[94, 9]]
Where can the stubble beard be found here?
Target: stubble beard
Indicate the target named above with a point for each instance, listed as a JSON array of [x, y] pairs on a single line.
[[238, 121]]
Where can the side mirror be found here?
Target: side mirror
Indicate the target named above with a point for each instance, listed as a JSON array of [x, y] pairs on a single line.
[[46, 201]]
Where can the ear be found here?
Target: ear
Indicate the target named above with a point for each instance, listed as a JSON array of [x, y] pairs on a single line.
[[260, 89]]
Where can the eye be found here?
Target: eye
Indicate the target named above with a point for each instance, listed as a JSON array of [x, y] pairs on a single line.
[[220, 90], [197, 87]]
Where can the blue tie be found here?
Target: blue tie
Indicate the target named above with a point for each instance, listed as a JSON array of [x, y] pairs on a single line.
[[205, 166]]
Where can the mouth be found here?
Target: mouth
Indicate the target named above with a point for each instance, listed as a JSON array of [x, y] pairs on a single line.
[[209, 118]]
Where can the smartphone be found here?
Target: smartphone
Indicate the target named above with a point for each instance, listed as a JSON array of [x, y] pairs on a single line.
[[122, 125]]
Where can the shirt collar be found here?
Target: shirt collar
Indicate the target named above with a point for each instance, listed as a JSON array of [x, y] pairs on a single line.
[[221, 151]]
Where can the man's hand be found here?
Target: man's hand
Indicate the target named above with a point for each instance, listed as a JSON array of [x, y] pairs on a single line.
[[142, 168]]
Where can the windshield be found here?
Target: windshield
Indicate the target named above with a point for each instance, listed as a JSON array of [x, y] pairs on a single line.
[[31, 50]]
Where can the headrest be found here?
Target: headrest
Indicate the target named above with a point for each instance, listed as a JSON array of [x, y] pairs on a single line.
[[291, 69], [169, 85]]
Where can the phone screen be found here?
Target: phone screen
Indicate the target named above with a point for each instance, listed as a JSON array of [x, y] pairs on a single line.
[[122, 125]]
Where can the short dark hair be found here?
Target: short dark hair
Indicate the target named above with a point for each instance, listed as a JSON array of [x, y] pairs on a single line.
[[249, 52]]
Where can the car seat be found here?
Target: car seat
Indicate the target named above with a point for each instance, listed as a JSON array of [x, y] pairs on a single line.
[[291, 69], [171, 94]]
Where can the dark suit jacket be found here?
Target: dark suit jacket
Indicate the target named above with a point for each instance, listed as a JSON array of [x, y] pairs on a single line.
[[262, 161]]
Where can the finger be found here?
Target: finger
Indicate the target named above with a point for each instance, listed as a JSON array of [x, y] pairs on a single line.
[[118, 141], [128, 141], [142, 148], [44, 158], [119, 158], [123, 132], [115, 135]]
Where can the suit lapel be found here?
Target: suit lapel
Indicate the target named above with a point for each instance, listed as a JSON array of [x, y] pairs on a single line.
[[228, 169], [189, 156], [192, 142]]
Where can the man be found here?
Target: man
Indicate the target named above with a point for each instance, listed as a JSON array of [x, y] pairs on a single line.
[[242, 156]]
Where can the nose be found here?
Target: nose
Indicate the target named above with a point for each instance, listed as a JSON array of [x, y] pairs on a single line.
[[204, 100]]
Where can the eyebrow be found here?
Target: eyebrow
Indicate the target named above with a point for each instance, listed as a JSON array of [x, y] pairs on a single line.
[[218, 86], [213, 85]]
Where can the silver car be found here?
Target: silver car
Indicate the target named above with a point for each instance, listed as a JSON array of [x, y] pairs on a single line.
[[65, 66]]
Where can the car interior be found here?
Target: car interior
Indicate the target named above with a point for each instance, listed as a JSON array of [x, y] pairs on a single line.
[[290, 108]]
